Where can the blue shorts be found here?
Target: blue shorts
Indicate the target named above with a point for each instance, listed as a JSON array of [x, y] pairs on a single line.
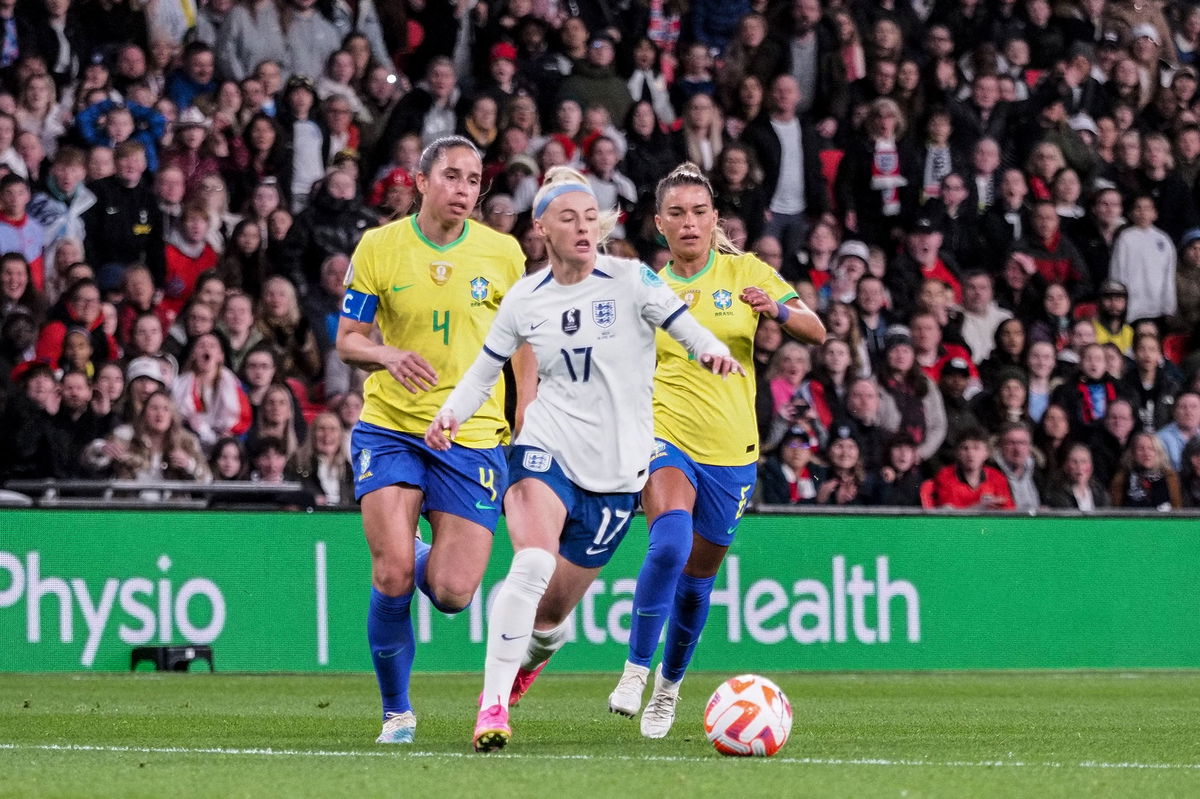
[[463, 481], [722, 492], [596, 523]]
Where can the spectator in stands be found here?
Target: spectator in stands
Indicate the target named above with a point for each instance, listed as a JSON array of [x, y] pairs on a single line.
[[19, 231], [923, 258], [1039, 364], [187, 254], [35, 446], [968, 482], [960, 412], [59, 207], [332, 224], [835, 369], [124, 227], [843, 484], [1144, 262], [238, 328], [1189, 474], [1075, 486], [1014, 458], [1184, 427], [284, 326], [981, 315], [160, 447], [108, 123], [1086, 397], [873, 316], [208, 395], [277, 419], [872, 416], [323, 305], [229, 460], [787, 146], [1151, 385], [1146, 479], [322, 463], [80, 309], [194, 78], [789, 476], [1008, 218], [916, 396], [1055, 322], [82, 417], [243, 266], [898, 481], [1111, 319], [197, 319], [1098, 232], [17, 290], [251, 33]]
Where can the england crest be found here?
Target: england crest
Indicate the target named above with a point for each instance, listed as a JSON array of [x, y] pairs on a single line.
[[604, 312], [722, 299], [479, 289], [536, 461]]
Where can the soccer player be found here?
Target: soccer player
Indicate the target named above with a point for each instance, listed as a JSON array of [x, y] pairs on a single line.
[[582, 456], [702, 472], [432, 284]]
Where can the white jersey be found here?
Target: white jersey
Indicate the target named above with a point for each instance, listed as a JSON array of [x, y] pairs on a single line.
[[594, 344]]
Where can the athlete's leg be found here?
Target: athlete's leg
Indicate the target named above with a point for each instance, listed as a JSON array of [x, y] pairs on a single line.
[[690, 609], [535, 517], [389, 518], [668, 499], [454, 565]]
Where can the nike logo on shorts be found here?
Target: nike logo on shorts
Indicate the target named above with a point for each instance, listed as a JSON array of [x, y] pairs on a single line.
[[596, 550], [483, 506]]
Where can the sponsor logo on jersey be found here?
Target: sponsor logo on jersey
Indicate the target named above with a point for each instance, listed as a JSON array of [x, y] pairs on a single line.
[[570, 321], [440, 272], [604, 312], [536, 461], [479, 289], [649, 278], [690, 297], [723, 299], [364, 464]]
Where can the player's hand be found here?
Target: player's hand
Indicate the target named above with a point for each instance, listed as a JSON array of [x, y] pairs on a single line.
[[442, 431], [410, 370], [723, 365], [759, 301]]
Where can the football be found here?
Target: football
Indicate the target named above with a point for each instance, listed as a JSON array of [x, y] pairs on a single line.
[[748, 716]]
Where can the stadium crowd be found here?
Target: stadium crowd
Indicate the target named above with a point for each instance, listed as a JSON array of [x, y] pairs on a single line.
[[992, 203]]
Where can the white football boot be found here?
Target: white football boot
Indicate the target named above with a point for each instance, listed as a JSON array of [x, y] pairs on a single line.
[[398, 729], [659, 714], [626, 698]]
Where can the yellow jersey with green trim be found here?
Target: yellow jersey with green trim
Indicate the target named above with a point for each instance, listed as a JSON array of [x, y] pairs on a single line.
[[711, 419], [438, 302]]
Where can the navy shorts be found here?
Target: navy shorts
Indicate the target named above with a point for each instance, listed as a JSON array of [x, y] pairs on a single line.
[[596, 523], [463, 481], [722, 492]]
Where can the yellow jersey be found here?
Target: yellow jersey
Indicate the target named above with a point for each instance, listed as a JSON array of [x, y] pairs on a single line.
[[438, 302], [711, 419]]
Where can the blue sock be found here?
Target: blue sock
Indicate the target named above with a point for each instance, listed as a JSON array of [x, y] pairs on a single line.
[[687, 621], [670, 545], [393, 647], [421, 552]]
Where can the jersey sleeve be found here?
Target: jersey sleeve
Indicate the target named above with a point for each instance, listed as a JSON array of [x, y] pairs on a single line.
[[659, 305], [762, 275], [504, 336], [361, 300]]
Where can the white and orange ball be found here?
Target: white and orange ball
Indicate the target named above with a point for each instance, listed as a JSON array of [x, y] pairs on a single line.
[[748, 716]]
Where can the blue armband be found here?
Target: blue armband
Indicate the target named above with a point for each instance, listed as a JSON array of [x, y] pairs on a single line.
[[359, 307], [782, 312]]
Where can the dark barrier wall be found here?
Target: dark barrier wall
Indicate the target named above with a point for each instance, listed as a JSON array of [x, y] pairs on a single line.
[[289, 592]]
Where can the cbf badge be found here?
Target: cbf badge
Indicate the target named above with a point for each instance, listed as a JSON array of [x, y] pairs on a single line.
[[690, 297], [604, 312], [479, 289], [722, 299], [570, 321], [440, 271]]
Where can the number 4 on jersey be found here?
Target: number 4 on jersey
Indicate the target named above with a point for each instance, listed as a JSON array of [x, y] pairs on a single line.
[[441, 321]]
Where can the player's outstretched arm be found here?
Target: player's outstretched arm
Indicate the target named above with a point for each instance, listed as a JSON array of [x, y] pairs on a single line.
[[471, 392], [354, 347], [697, 339], [797, 319]]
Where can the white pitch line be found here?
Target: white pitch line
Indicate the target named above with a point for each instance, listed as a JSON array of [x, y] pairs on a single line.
[[396, 752]]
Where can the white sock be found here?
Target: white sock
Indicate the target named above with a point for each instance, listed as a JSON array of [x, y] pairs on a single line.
[[543, 644], [510, 624]]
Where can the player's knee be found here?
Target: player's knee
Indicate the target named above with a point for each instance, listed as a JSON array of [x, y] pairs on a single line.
[[393, 579], [452, 600], [670, 540]]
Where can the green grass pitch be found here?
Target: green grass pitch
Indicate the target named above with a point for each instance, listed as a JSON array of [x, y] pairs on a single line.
[[1037, 734]]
